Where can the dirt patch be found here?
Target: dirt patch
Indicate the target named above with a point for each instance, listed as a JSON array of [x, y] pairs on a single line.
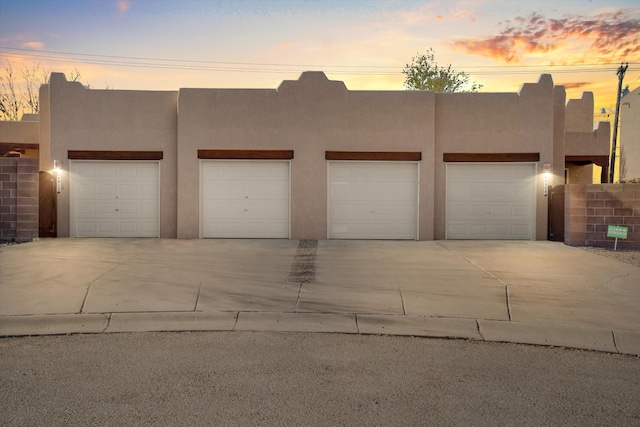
[[629, 257]]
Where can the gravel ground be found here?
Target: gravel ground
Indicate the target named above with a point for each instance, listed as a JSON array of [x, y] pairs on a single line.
[[630, 257]]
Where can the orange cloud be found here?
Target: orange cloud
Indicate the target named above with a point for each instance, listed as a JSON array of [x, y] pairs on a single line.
[[610, 36], [34, 45], [576, 85]]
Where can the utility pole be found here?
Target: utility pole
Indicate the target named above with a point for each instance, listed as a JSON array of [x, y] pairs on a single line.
[[621, 70]]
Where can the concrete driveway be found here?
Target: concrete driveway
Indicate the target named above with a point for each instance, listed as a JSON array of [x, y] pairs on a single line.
[[517, 291]]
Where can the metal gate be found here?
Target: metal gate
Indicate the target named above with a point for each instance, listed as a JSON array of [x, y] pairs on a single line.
[[47, 205], [556, 213]]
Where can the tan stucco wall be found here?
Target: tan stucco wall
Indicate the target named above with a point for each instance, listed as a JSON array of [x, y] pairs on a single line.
[[580, 137], [310, 116], [593, 143], [495, 123], [559, 147], [579, 174], [23, 132], [87, 119], [579, 114], [46, 164]]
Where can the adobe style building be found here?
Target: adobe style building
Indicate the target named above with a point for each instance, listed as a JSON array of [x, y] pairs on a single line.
[[629, 136], [312, 160]]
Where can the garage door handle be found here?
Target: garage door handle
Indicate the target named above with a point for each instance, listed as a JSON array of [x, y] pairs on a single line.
[[117, 210]]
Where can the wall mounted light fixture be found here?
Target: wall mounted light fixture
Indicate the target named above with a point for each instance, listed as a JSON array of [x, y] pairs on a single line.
[[56, 167], [546, 169]]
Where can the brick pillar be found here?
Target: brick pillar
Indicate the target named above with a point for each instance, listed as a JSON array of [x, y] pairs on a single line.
[[575, 215], [8, 197], [27, 199]]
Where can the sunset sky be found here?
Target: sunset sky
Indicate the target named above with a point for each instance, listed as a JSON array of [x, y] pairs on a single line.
[[169, 44]]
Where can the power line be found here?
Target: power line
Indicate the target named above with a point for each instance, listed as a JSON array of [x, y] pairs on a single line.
[[256, 67], [186, 61]]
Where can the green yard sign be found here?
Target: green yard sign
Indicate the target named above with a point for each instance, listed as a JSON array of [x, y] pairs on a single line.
[[617, 231]]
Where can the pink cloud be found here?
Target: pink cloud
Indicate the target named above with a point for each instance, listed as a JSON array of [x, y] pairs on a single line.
[[463, 11], [123, 6], [285, 46], [608, 35]]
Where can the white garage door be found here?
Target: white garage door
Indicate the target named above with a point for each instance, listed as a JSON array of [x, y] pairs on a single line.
[[244, 199], [373, 200], [114, 199], [491, 201]]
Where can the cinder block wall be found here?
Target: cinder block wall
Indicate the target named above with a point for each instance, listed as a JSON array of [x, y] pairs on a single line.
[[591, 208], [18, 198]]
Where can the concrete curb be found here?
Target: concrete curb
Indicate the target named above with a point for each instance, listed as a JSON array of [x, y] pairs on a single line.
[[53, 324], [440, 327], [297, 322], [553, 335], [172, 321], [617, 341], [628, 342]]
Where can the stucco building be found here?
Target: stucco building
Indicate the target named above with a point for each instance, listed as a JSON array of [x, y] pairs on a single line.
[[629, 135], [312, 160]]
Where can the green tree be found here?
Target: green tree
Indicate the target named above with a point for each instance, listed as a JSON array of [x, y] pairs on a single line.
[[22, 95], [424, 73]]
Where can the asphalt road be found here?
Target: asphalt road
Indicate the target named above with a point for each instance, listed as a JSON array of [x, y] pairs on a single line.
[[247, 378]]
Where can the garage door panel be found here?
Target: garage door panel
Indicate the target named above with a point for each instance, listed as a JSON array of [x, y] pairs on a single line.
[[131, 191], [86, 191], [392, 174], [86, 208], [86, 169], [481, 230], [128, 227], [520, 229], [361, 209], [523, 212], [85, 228], [270, 211], [222, 189], [239, 228], [397, 192], [147, 172], [212, 172], [146, 192], [493, 192], [106, 190], [105, 171], [490, 201], [115, 199], [107, 227], [372, 200], [277, 190], [245, 199], [107, 209], [486, 172], [129, 174], [128, 208]]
